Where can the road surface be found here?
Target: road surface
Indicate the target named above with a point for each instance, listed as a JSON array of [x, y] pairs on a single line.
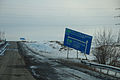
[[12, 66]]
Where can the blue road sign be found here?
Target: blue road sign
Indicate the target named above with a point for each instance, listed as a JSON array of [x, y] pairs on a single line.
[[77, 40], [22, 38]]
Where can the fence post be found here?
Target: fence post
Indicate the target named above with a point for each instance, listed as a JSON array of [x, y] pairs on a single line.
[[107, 71], [100, 70], [115, 74]]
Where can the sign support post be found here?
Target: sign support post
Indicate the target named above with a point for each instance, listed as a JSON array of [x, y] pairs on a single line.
[[86, 49], [67, 52], [77, 54], [85, 56]]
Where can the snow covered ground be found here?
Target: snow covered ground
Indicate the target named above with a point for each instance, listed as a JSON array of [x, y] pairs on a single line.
[[47, 51], [54, 49], [51, 69]]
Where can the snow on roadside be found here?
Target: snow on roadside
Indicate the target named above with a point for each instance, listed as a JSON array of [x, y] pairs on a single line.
[[55, 49], [39, 47], [72, 72]]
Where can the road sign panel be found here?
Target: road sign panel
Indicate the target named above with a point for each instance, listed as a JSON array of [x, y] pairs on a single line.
[[77, 40], [22, 38]]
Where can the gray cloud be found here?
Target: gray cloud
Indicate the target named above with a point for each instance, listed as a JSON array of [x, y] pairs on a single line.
[[30, 16]]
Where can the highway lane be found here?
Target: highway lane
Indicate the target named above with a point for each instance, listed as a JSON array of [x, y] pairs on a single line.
[[12, 66]]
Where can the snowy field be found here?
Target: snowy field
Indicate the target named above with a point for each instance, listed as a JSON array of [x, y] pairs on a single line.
[[49, 53], [54, 49]]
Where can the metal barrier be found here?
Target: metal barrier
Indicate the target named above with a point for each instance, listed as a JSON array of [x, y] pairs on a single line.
[[102, 66], [3, 48]]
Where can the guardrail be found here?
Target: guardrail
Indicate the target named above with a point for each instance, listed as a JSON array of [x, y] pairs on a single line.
[[3, 48], [102, 66]]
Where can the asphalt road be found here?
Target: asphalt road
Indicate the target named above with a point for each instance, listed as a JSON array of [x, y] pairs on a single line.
[[12, 66]]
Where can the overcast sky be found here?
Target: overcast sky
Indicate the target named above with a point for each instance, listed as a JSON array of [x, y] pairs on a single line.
[[47, 19]]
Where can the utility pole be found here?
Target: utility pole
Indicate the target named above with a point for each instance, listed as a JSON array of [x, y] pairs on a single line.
[[118, 16]]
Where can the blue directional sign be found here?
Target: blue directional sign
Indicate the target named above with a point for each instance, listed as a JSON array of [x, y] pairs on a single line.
[[77, 40], [22, 38]]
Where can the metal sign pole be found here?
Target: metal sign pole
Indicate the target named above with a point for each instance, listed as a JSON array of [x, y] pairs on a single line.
[[67, 52], [77, 54], [85, 56], [86, 49]]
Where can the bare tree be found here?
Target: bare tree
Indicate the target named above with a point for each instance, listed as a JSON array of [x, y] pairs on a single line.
[[115, 56], [107, 48], [103, 42], [2, 36], [118, 38]]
